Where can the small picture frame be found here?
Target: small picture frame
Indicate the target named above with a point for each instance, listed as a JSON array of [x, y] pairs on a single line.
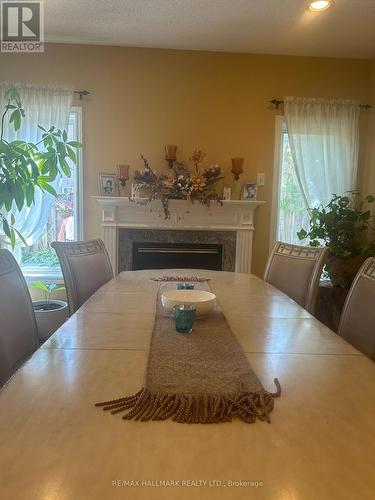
[[135, 192], [249, 191], [226, 193], [108, 184]]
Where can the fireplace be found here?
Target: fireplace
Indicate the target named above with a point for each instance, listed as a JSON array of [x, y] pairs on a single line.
[[177, 255], [166, 249], [229, 225]]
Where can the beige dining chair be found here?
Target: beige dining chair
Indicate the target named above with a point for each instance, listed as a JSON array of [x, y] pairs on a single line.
[[296, 271], [18, 330], [85, 266], [357, 322]]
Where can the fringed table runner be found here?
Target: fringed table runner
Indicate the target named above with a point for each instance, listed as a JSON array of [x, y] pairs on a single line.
[[201, 377], [184, 279]]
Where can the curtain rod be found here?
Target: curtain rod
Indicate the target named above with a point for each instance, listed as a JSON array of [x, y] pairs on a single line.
[[82, 93], [278, 102]]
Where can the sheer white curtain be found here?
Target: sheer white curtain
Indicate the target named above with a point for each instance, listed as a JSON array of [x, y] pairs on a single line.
[[323, 137], [46, 106]]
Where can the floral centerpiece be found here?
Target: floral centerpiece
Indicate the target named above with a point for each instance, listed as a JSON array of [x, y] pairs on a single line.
[[180, 183]]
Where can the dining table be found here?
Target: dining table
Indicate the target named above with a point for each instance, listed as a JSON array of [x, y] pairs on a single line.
[[320, 444]]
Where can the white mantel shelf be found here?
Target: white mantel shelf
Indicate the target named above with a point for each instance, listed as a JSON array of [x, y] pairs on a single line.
[[232, 215]]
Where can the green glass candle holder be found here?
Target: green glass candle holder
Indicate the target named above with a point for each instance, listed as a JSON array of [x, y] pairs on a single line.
[[185, 286], [184, 317]]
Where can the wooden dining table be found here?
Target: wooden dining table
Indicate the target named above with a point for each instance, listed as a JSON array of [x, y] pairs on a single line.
[[320, 444]]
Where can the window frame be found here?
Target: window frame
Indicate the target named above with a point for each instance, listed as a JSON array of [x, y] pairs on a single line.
[[51, 273], [79, 227], [280, 129]]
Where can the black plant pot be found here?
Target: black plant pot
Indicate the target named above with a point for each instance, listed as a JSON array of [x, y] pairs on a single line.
[[342, 271]]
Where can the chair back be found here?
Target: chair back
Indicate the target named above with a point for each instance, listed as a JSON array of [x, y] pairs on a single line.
[[296, 271], [18, 331], [357, 322], [85, 266]]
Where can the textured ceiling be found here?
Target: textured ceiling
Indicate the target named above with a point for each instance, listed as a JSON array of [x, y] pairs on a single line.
[[258, 26]]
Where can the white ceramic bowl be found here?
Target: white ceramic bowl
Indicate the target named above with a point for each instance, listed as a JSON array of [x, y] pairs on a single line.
[[203, 301]]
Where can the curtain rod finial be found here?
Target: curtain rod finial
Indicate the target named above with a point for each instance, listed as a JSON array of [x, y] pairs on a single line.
[[82, 93], [276, 103]]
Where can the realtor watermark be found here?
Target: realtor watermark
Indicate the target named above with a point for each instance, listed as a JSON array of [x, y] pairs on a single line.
[[186, 483], [22, 27]]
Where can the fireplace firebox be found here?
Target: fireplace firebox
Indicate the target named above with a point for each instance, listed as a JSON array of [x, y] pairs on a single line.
[[177, 255], [165, 249]]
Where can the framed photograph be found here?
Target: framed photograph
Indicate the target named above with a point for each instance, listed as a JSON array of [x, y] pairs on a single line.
[[226, 193], [108, 184], [249, 191]]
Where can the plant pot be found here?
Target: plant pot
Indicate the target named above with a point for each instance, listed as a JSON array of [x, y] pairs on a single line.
[[342, 271], [49, 316]]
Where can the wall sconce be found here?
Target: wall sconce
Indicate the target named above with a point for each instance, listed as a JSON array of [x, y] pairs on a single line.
[[123, 174], [237, 167], [170, 155]]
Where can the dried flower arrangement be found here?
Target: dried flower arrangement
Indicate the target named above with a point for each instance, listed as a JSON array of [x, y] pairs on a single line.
[[180, 184]]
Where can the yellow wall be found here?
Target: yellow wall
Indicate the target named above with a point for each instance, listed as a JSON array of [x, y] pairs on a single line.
[[144, 98]]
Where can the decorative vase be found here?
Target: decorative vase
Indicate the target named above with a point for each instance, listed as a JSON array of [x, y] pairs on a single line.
[[342, 271]]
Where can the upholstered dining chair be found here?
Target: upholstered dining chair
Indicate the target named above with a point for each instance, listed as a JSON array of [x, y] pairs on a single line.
[[296, 271], [357, 322], [85, 266], [18, 330]]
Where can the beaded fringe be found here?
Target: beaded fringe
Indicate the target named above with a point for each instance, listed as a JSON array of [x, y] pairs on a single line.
[[182, 279], [194, 408]]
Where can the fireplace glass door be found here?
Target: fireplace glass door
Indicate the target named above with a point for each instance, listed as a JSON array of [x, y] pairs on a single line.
[[177, 255]]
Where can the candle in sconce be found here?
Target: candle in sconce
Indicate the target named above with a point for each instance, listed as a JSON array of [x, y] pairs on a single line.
[[123, 171], [123, 174], [237, 167], [171, 152]]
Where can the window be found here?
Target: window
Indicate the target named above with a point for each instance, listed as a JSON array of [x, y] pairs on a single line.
[[64, 218], [289, 210]]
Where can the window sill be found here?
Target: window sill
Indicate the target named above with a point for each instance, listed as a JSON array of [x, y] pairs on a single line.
[[32, 274]]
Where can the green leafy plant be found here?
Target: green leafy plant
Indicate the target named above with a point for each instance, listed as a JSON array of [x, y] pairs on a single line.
[[47, 288], [45, 257], [345, 225], [26, 167]]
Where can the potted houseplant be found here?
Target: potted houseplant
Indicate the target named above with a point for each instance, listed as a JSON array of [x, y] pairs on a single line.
[[50, 314], [26, 167], [346, 226]]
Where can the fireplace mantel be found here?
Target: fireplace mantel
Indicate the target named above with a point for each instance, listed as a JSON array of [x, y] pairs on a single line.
[[233, 215]]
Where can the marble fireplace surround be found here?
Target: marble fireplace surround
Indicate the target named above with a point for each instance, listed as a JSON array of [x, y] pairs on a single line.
[[230, 224], [126, 237]]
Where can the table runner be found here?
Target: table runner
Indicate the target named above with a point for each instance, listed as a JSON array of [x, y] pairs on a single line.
[[202, 377]]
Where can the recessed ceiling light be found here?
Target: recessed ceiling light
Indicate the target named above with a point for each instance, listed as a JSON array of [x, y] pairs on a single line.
[[319, 5]]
